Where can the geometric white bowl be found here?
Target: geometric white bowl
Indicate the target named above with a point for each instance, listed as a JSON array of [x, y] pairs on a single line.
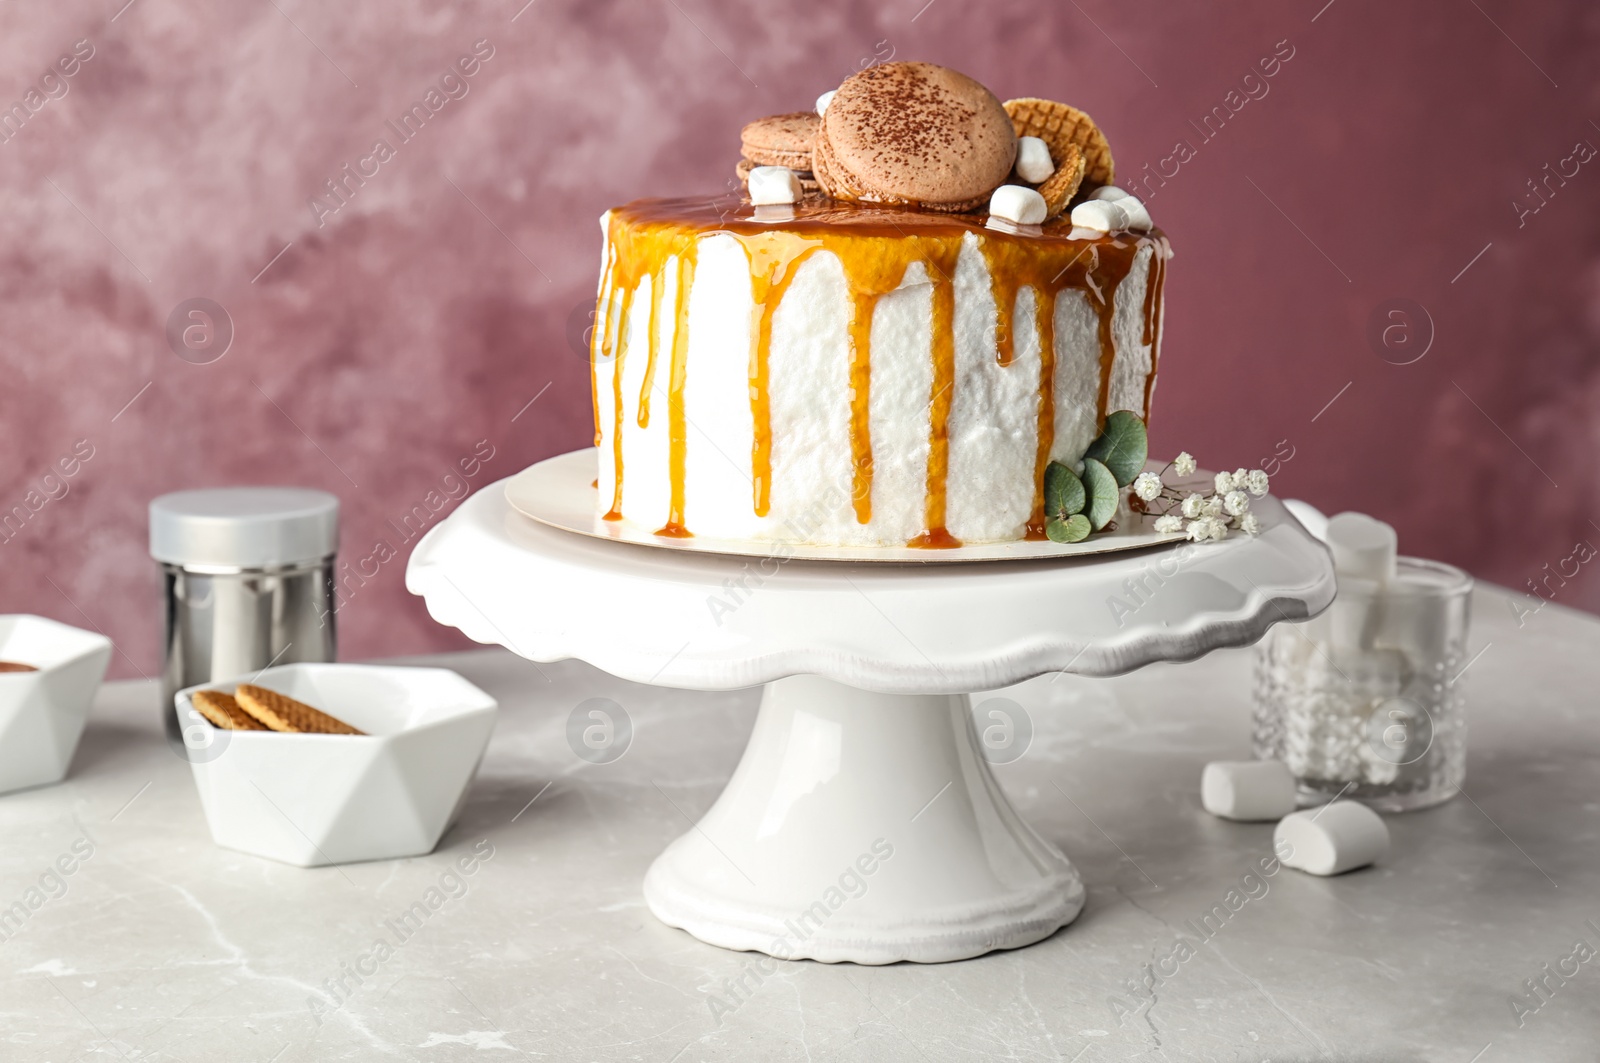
[[315, 799], [42, 713]]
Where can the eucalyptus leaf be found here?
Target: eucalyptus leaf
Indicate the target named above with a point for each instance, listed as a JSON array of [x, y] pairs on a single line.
[[1104, 493], [1063, 491], [1073, 529], [1122, 446]]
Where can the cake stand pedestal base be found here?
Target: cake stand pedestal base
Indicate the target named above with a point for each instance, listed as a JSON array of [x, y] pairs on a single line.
[[863, 827]]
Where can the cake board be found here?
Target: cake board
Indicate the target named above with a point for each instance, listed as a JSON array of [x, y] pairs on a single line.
[[863, 823]]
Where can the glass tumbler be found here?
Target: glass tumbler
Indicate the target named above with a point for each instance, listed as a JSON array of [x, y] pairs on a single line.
[[1366, 701]]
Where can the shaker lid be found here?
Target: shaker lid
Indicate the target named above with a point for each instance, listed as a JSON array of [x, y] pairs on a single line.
[[244, 527]]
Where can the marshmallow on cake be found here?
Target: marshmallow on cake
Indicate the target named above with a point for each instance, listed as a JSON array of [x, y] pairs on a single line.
[[872, 364]]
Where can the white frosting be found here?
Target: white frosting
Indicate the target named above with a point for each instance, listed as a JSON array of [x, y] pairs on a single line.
[[993, 424]]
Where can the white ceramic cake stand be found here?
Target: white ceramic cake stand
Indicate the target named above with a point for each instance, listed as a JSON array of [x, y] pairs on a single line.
[[863, 823]]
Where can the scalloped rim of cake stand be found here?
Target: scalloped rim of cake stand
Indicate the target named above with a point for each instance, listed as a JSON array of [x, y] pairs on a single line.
[[648, 615], [560, 492]]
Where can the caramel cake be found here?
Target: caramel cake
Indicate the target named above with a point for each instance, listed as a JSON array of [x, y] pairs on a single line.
[[893, 359]]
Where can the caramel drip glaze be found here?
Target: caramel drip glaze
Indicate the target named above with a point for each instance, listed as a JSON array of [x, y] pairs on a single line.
[[875, 245], [1154, 304], [598, 349]]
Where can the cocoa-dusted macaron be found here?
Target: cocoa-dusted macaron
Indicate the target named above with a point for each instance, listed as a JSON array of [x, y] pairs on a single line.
[[781, 140], [915, 133]]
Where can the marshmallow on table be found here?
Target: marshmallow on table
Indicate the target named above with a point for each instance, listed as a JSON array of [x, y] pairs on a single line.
[[1034, 164], [772, 185], [1018, 203], [1103, 215], [825, 99], [1108, 192], [1331, 840], [1247, 789]]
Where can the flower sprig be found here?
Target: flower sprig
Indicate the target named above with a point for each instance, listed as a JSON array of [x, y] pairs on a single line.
[[1082, 500], [1201, 515]]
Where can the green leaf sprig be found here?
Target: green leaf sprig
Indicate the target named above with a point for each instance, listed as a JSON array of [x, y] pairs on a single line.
[[1077, 504]]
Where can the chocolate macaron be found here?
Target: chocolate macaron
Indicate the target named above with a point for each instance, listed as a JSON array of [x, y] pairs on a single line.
[[914, 133], [781, 140]]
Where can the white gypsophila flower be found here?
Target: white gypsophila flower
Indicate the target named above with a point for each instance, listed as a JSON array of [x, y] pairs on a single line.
[[1217, 527], [1256, 482], [1147, 485], [1168, 523], [1239, 477], [1235, 503], [1194, 506], [1213, 507], [1198, 530], [1249, 524], [1224, 482], [1184, 464]]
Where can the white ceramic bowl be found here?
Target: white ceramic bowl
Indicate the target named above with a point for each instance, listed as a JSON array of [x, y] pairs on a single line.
[[42, 713], [311, 799]]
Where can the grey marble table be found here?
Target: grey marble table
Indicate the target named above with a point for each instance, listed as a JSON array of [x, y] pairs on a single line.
[[160, 946]]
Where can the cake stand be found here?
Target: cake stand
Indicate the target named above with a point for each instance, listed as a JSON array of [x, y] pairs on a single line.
[[863, 823]]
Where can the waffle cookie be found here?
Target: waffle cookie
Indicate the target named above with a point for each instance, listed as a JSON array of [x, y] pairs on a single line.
[[1059, 188], [279, 712], [224, 712], [1060, 125]]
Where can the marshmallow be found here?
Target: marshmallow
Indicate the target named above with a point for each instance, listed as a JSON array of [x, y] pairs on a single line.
[[1363, 552], [1247, 789], [1019, 204], [1352, 621], [1362, 547], [773, 185], [825, 99], [1326, 698], [1138, 217], [1101, 214], [1332, 839], [1034, 164], [1108, 192]]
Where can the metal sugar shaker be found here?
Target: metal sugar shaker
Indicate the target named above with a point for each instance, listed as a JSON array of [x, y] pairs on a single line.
[[249, 582]]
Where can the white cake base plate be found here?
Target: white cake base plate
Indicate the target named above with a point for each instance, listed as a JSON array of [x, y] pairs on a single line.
[[561, 493], [865, 828]]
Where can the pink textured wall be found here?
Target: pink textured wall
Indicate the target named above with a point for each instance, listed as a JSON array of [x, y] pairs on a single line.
[[378, 346]]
